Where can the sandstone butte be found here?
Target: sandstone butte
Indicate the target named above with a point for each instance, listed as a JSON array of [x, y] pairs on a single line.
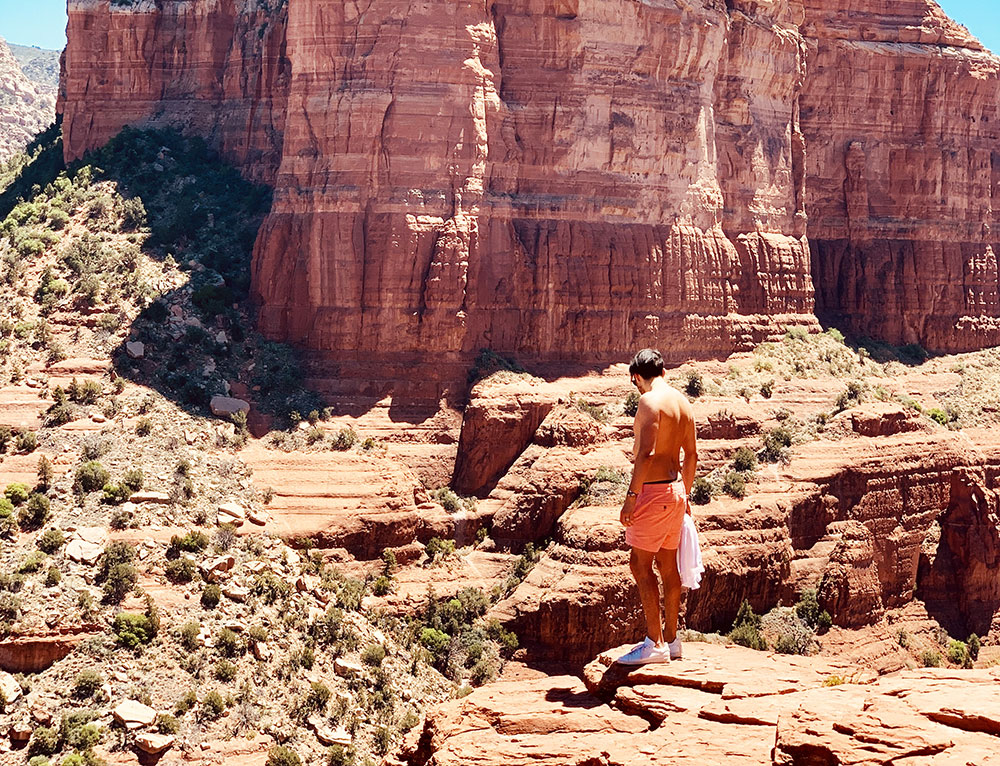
[[565, 179]]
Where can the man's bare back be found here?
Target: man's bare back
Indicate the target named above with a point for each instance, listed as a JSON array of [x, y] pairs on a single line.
[[674, 431]]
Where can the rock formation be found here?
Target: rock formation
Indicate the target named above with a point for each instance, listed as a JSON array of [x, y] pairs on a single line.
[[720, 705], [566, 179], [26, 107]]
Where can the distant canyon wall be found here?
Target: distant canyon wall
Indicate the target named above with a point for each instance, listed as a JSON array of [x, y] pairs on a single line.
[[570, 179]]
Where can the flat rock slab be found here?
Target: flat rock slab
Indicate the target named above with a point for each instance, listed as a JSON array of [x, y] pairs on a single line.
[[132, 714], [152, 743]]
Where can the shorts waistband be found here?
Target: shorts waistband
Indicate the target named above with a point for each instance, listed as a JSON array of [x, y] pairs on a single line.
[[661, 481]]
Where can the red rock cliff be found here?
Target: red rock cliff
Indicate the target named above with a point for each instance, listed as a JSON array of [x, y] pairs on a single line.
[[567, 179]]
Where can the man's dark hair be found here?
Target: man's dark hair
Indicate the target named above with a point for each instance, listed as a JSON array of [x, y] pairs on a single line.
[[647, 364]]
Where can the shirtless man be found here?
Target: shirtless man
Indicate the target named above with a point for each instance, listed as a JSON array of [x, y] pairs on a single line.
[[654, 508]]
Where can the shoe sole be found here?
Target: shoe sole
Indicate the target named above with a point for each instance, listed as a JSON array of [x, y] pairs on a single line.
[[636, 663]]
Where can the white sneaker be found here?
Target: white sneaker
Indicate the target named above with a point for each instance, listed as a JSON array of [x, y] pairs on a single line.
[[675, 648], [645, 653]]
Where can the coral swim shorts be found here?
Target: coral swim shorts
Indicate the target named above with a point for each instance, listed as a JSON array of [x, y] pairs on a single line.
[[658, 517]]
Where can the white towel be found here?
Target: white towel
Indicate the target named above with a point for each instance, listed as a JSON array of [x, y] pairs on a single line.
[[689, 555]]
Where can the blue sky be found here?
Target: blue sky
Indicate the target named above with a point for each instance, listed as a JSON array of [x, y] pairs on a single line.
[[43, 22]]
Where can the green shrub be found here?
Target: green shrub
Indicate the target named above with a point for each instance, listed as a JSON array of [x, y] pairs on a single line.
[[53, 577], [930, 659], [44, 741], [17, 493], [631, 404], [958, 652], [229, 644], [701, 492], [749, 636], [271, 588], [939, 416], [224, 671], [116, 494], [35, 512], [434, 641], [744, 461], [767, 389], [735, 485], [32, 563], [188, 635], [694, 386], [382, 586], [318, 697], [26, 441], [776, 441], [436, 547], [212, 706], [185, 703], [344, 439], [45, 473], [91, 476], [807, 607], [133, 479], [191, 542], [180, 570], [116, 571], [87, 684], [373, 655], [210, 596], [282, 756], [167, 724], [144, 427], [51, 540], [133, 629], [338, 755], [973, 643]]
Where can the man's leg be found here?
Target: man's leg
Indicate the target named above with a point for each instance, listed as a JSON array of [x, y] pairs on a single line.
[[649, 592], [666, 562]]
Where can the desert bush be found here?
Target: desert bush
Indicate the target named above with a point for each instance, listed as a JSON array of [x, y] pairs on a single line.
[[133, 479], [185, 703], [91, 476], [144, 427], [344, 439], [167, 724], [701, 491], [180, 570], [224, 671], [318, 697], [229, 644], [271, 588], [53, 577], [282, 756], [32, 563], [132, 629], [381, 586], [115, 494], [212, 706], [694, 385], [744, 461], [930, 659], [776, 441], [87, 684], [734, 485], [44, 741], [631, 404], [373, 655], [210, 596], [17, 493], [958, 652], [45, 473], [438, 548], [939, 416], [188, 635], [193, 541], [746, 628], [35, 512], [973, 643]]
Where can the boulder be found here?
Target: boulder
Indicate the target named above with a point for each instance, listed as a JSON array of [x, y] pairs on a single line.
[[149, 496], [9, 687], [227, 406], [152, 743], [231, 513], [133, 714], [135, 349]]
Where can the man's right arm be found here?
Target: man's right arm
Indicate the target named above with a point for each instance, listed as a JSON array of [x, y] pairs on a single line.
[[690, 456]]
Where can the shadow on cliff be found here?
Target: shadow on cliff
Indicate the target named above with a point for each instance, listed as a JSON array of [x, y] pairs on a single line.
[[186, 208]]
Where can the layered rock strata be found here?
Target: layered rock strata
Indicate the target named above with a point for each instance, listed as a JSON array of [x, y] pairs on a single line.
[[26, 107], [564, 180], [725, 705]]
